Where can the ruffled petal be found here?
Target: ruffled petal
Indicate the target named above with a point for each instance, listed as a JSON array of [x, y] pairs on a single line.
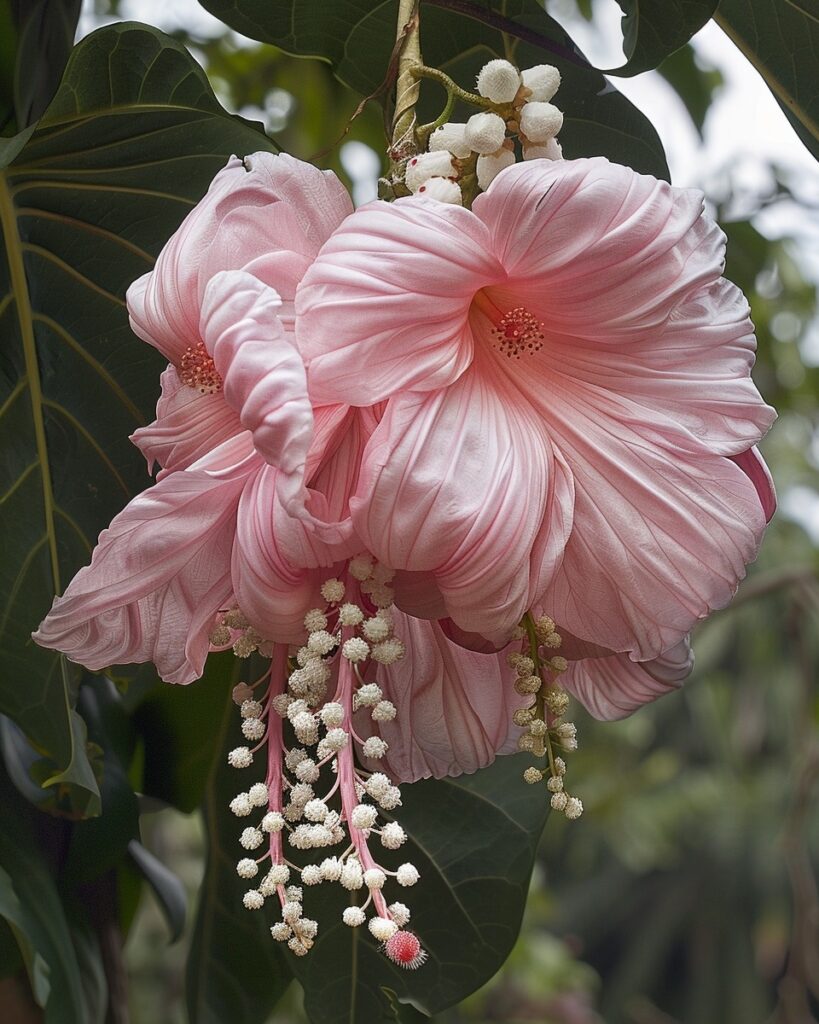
[[157, 577], [753, 465], [463, 484], [625, 273], [662, 530], [454, 707], [188, 425], [262, 372], [613, 687], [384, 306]]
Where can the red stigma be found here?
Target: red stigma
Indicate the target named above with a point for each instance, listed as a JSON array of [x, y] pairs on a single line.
[[405, 950], [198, 371]]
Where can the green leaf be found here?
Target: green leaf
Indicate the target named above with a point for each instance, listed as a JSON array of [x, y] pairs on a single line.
[[781, 39], [44, 41], [168, 889], [129, 144], [654, 29], [473, 840], [236, 972], [693, 85], [31, 903], [459, 37]]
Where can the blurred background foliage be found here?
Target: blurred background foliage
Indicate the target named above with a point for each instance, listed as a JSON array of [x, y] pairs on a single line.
[[688, 893]]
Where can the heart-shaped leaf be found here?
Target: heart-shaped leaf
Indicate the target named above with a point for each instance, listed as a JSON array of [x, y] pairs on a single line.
[[459, 37], [781, 39], [129, 144], [654, 29]]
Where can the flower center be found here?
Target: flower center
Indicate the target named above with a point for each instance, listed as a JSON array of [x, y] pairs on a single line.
[[515, 332], [197, 370]]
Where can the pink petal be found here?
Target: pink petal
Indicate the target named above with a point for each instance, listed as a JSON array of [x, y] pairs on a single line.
[[662, 530], [390, 293], [753, 465], [613, 687], [187, 426], [263, 373], [157, 577], [625, 273], [454, 706], [463, 484]]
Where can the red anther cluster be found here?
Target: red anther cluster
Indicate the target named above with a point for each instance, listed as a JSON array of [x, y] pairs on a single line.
[[197, 370], [518, 332], [405, 950]]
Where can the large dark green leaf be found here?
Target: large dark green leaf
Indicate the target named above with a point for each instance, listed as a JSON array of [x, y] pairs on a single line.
[[654, 29], [473, 839], [781, 39], [129, 144], [236, 972], [459, 36]]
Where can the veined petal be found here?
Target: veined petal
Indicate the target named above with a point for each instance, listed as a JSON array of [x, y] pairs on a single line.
[[613, 687], [157, 577], [463, 483], [454, 706], [663, 528], [187, 426], [389, 295], [753, 465], [263, 374]]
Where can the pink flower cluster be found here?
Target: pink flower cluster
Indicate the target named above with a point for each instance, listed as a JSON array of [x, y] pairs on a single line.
[[543, 403]]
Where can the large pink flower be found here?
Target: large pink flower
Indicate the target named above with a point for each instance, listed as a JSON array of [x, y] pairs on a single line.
[[570, 419]]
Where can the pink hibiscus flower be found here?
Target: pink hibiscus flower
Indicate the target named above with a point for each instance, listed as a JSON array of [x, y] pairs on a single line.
[[230, 521], [569, 421]]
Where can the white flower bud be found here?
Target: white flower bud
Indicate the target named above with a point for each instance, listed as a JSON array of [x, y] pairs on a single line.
[[384, 711], [307, 928], [273, 821], [297, 947], [332, 714], [451, 136], [241, 805], [251, 709], [280, 931], [540, 122], [363, 816], [291, 912], [333, 591], [485, 132], [543, 81], [374, 878], [352, 876], [554, 784], [315, 810], [374, 747], [428, 165], [377, 785], [253, 729], [573, 808], [253, 900], [382, 929], [560, 766], [400, 913], [367, 695], [330, 869], [258, 794], [443, 190], [247, 868], [251, 839], [389, 651], [307, 770], [321, 642], [280, 703], [532, 775], [301, 793], [350, 615], [362, 565], [376, 629], [489, 166], [559, 801], [499, 81], [311, 874], [355, 649], [390, 798], [392, 836], [336, 739], [315, 620], [407, 875], [353, 916], [240, 758]]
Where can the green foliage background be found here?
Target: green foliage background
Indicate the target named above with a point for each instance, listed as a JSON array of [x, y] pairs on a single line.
[[688, 891]]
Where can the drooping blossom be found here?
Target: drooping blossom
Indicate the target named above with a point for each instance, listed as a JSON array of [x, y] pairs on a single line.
[[569, 421]]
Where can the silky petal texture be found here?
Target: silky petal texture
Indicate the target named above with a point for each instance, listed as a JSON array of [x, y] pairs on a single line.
[[752, 464], [463, 483], [454, 707], [158, 575], [390, 292], [625, 273], [614, 687], [662, 531], [188, 425], [253, 208], [262, 372]]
